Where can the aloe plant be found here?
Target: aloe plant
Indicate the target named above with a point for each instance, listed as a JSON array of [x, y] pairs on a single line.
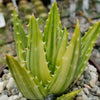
[[49, 64]]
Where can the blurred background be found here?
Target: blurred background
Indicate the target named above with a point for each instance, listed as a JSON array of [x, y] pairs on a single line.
[[87, 11]]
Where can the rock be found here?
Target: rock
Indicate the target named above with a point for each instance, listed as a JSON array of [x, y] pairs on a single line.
[[50, 97], [80, 94], [90, 95], [81, 78], [5, 77], [98, 55], [83, 27], [68, 24], [23, 99], [9, 75], [75, 88], [6, 71], [20, 95], [98, 91], [92, 83], [2, 85], [98, 83], [82, 20], [4, 97], [6, 92], [79, 98], [15, 97], [94, 89], [10, 98], [93, 98], [86, 90], [14, 91], [92, 68], [79, 87], [0, 79], [84, 96], [87, 75], [87, 81], [94, 78], [87, 86], [10, 84]]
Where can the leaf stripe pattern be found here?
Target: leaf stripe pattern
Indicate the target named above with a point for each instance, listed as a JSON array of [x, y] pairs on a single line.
[[20, 39], [25, 81], [51, 32], [36, 61], [70, 60], [49, 64]]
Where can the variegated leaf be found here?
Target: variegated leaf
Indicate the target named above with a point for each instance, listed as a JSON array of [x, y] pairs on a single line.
[[20, 39], [27, 84], [36, 61], [52, 32], [61, 48], [69, 96], [86, 47], [64, 76]]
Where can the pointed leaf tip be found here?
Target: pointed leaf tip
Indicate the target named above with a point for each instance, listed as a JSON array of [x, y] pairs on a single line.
[[77, 21], [69, 96], [54, 3], [35, 53], [32, 16], [23, 80], [8, 56]]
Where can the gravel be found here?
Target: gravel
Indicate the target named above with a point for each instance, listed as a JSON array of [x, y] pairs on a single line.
[[88, 82]]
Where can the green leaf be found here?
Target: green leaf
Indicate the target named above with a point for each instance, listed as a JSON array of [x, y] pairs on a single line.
[[20, 39], [69, 96], [52, 32], [36, 61], [62, 45], [64, 76], [86, 47], [27, 84]]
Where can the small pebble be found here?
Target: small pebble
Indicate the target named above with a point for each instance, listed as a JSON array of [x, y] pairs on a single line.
[[10, 84], [14, 91], [84, 96], [87, 75], [92, 68], [23, 99], [87, 86], [93, 98], [94, 89], [92, 83], [88, 82], [6, 71], [5, 77], [2, 85], [94, 76], [20, 95], [98, 92], [49, 97], [86, 91], [15, 97], [79, 98], [6, 92], [98, 83], [4, 97]]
